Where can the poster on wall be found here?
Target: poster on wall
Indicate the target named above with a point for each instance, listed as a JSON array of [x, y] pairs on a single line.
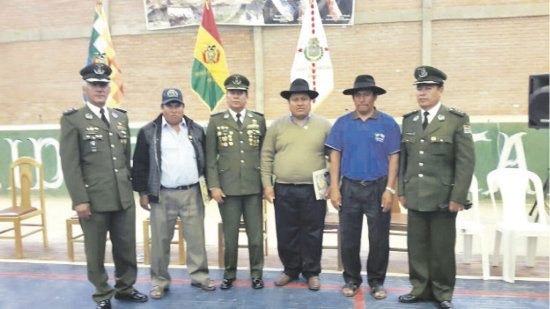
[[165, 14]]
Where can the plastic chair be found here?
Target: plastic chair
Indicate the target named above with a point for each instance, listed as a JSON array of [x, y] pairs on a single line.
[[513, 184], [468, 225], [22, 209]]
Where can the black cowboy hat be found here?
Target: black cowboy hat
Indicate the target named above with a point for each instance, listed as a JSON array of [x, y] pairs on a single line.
[[299, 86], [364, 82]]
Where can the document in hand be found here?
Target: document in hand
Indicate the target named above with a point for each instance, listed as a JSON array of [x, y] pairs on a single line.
[[321, 182]]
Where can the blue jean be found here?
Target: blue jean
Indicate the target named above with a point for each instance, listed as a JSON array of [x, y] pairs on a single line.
[[359, 199]]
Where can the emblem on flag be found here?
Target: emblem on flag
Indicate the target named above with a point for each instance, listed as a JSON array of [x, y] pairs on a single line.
[[313, 51], [211, 54]]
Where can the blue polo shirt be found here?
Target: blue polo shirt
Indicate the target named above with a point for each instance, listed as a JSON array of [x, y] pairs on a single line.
[[366, 146]]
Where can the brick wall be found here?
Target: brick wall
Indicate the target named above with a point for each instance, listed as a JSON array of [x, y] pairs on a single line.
[[488, 60]]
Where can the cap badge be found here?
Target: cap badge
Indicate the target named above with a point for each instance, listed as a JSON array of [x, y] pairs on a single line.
[[172, 93], [99, 70], [237, 81], [422, 72]]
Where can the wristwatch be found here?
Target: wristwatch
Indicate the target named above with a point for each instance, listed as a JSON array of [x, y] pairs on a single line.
[[392, 191]]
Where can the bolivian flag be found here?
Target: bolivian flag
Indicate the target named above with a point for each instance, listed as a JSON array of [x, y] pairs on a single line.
[[209, 67], [101, 50]]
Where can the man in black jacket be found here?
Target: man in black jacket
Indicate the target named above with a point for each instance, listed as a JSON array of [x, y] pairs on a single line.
[[168, 161]]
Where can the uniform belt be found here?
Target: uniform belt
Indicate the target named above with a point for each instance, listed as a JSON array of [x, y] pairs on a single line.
[[180, 187], [365, 183]]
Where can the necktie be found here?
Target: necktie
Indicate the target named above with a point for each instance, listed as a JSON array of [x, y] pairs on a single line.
[[425, 123], [239, 122], [104, 118]]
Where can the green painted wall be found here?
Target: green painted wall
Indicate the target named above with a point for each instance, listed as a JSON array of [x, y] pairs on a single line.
[[490, 142]]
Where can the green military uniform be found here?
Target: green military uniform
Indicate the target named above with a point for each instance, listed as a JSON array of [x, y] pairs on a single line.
[[96, 165], [233, 164], [436, 167]]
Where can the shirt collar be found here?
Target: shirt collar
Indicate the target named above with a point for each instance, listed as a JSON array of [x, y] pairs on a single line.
[[306, 120], [374, 115], [433, 111], [166, 124], [234, 114], [97, 110]]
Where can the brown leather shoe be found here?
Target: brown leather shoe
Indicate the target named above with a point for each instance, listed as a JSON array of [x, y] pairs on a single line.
[[350, 289], [283, 279], [314, 283]]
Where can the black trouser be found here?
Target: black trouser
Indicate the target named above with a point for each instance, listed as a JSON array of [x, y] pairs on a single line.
[[358, 199], [300, 220]]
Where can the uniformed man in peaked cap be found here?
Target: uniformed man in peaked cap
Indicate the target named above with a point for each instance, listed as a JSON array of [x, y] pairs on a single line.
[[435, 170], [95, 157], [233, 142]]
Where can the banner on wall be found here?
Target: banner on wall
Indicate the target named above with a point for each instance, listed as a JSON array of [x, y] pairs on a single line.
[[497, 145], [312, 58], [101, 50], [162, 14], [209, 65]]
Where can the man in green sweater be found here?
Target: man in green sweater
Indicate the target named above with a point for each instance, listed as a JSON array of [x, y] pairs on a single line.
[[293, 149]]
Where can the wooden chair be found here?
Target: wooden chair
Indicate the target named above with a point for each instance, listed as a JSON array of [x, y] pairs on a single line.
[[398, 224], [147, 241], [242, 229], [71, 239], [332, 223], [21, 209]]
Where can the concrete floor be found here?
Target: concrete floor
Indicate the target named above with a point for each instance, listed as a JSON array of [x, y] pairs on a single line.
[[59, 209]]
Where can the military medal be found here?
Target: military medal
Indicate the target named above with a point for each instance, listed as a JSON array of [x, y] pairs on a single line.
[[93, 146], [433, 139]]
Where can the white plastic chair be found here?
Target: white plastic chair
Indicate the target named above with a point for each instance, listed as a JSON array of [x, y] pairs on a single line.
[[513, 184], [468, 225]]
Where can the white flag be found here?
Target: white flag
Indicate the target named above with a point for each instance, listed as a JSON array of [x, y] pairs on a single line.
[[312, 59]]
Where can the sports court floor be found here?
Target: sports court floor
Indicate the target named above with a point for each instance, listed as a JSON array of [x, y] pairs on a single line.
[[62, 285]]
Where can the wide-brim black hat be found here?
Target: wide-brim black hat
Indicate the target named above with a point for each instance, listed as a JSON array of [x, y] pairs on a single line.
[[299, 86], [364, 82]]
